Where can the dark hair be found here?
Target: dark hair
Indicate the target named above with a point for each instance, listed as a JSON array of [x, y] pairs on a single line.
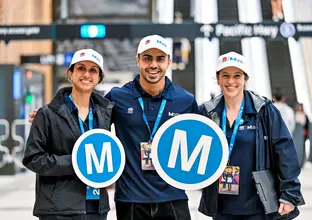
[[71, 68], [245, 74], [278, 94]]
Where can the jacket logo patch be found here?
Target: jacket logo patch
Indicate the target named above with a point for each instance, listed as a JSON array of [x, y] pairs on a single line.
[[173, 114], [251, 127]]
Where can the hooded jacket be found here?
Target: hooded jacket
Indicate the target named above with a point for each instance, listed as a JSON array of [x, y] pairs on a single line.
[[48, 153], [275, 150]]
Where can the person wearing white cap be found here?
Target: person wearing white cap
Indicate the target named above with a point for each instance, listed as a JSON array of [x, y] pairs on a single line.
[[141, 107], [59, 192], [258, 140]]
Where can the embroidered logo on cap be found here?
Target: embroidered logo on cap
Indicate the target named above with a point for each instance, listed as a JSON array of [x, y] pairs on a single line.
[[96, 57], [147, 42], [162, 43], [82, 54], [225, 59]]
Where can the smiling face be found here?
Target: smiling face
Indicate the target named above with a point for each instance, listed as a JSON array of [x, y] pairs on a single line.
[[85, 76], [153, 64], [231, 81]]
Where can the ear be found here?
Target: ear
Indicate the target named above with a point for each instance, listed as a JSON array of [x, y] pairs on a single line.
[[170, 61], [69, 75]]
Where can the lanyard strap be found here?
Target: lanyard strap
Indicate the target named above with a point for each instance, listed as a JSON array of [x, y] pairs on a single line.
[[160, 113], [90, 117], [237, 122]]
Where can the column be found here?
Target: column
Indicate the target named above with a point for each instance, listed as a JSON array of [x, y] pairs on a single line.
[[206, 52]]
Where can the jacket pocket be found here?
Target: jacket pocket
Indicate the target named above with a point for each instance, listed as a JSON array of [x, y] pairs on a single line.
[[69, 194]]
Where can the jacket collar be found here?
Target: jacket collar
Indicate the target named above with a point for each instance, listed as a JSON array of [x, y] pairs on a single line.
[[58, 99], [138, 91], [253, 103], [103, 107]]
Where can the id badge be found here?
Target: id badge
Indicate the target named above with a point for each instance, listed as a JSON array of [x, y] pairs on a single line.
[[92, 193], [146, 156], [229, 181]]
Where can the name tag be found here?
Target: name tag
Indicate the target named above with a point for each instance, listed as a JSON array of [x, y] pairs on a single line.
[[229, 181], [92, 193], [146, 156]]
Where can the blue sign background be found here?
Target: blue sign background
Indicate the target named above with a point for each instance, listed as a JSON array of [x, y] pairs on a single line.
[[193, 136], [97, 140], [183, 133]]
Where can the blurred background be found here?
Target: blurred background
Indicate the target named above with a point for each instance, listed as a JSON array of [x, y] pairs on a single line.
[[32, 70]]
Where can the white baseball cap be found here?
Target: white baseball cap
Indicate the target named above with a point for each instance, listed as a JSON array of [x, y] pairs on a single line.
[[88, 55], [153, 41], [232, 59]]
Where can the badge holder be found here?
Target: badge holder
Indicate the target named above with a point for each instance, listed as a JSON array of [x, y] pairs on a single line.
[[146, 156], [229, 181]]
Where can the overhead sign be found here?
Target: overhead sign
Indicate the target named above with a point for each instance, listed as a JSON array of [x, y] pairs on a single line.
[[189, 30], [26, 32], [190, 151], [49, 59], [98, 158]]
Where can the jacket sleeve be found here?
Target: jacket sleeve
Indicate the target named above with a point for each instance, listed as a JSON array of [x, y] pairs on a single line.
[[37, 156], [195, 107], [202, 110], [285, 158]]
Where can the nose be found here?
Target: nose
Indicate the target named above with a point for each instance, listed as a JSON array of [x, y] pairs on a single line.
[[154, 64], [231, 79], [87, 73]]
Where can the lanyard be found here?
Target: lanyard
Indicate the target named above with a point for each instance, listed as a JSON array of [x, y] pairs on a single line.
[[237, 122], [160, 112], [90, 116]]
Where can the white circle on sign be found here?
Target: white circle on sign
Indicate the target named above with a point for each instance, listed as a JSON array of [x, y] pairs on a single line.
[[102, 179], [189, 180], [93, 31]]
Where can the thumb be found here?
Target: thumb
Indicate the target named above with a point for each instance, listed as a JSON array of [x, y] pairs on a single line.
[[280, 210]]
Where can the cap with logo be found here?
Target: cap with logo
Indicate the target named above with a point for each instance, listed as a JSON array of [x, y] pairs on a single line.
[[153, 41], [232, 59], [88, 55]]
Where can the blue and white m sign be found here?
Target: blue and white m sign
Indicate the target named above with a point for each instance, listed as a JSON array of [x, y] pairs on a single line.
[[190, 151], [98, 158]]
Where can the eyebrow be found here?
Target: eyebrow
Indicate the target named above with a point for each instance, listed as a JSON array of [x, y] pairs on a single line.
[[81, 64], [147, 55], [234, 73]]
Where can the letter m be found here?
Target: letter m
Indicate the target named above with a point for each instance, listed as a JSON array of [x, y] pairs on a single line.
[[99, 165], [180, 142]]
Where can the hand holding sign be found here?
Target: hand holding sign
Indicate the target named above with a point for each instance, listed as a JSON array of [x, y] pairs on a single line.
[[190, 151], [98, 158]]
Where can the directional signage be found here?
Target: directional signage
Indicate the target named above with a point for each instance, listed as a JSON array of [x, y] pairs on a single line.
[[98, 158], [24, 32], [190, 151], [49, 59], [189, 30]]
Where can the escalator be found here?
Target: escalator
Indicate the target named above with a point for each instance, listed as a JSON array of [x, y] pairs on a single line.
[[281, 74], [228, 11]]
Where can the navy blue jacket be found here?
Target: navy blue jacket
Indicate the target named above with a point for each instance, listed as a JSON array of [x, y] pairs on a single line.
[[136, 185], [275, 150]]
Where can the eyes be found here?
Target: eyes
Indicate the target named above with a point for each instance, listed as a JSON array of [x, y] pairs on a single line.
[[160, 59], [235, 76], [91, 70]]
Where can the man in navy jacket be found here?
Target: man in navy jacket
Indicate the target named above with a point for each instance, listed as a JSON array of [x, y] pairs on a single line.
[[141, 194]]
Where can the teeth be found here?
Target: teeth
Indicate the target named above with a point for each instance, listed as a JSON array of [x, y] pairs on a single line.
[[85, 81]]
